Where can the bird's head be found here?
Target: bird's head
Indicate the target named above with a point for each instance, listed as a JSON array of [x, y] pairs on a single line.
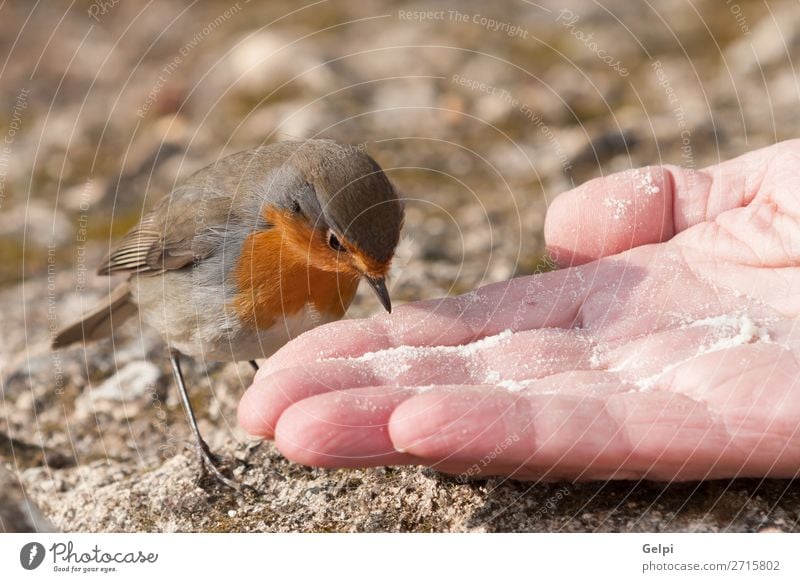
[[337, 211]]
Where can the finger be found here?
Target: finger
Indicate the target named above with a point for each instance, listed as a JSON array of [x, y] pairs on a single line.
[[647, 435], [547, 300], [344, 429], [609, 215], [271, 394], [606, 216], [504, 359]]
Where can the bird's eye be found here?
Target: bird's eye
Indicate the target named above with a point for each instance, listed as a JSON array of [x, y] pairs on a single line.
[[295, 207], [334, 243]]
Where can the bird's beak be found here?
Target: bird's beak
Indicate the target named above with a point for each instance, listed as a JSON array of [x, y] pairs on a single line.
[[378, 285]]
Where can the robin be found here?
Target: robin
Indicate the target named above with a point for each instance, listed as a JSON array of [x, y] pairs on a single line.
[[250, 252]]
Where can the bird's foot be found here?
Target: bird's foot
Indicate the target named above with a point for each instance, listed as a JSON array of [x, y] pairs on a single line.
[[212, 467]]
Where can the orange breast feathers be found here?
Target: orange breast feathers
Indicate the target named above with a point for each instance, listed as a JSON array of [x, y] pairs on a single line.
[[285, 268]]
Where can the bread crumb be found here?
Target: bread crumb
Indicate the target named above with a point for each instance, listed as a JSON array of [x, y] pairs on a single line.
[[728, 331]]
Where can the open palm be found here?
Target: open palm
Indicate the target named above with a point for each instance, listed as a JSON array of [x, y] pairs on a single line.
[[665, 349]]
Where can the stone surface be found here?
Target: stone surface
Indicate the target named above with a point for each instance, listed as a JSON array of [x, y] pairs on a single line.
[[18, 514]]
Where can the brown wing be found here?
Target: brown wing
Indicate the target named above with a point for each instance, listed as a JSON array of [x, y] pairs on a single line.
[[166, 239]]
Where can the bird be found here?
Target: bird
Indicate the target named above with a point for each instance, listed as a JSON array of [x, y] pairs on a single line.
[[248, 253]]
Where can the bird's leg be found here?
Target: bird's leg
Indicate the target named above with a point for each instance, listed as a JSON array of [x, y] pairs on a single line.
[[254, 364], [206, 457]]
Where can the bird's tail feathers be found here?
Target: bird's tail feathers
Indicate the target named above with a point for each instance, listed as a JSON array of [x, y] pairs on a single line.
[[101, 321]]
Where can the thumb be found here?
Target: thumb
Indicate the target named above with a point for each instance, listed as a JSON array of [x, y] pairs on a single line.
[[606, 216]]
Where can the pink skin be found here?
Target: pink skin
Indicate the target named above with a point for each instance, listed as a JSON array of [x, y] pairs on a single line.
[[621, 384]]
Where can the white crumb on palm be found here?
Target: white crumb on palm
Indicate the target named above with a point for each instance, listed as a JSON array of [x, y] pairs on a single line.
[[727, 331], [594, 360], [515, 385], [646, 184], [744, 331], [391, 365], [618, 207], [492, 377], [393, 362]]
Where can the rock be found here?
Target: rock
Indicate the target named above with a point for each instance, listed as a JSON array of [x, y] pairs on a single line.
[[18, 514], [773, 39], [39, 223], [265, 61], [136, 379]]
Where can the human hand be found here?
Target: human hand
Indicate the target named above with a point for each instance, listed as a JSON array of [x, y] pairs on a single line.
[[665, 350]]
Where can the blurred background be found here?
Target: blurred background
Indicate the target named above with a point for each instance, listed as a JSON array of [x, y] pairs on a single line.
[[480, 112]]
